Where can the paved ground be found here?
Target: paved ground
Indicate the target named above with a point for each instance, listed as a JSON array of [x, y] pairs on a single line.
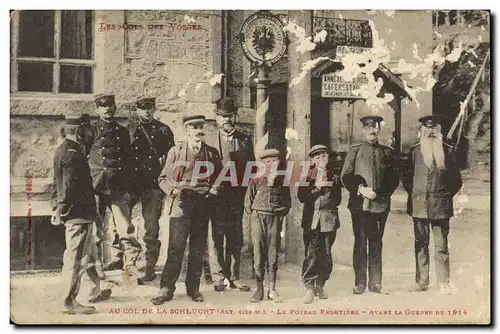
[[35, 298]]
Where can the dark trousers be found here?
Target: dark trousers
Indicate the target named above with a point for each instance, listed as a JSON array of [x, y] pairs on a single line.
[[122, 233], [227, 226], [318, 264], [79, 257], [148, 228], [440, 230], [266, 240], [368, 232], [187, 221]]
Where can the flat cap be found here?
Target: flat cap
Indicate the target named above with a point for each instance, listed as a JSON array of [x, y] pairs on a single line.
[[317, 149], [268, 153], [73, 120], [193, 119], [371, 119], [145, 102], [104, 100], [226, 107], [430, 121]]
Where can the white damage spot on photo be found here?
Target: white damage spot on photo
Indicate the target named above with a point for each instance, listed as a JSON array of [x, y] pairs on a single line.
[[183, 90], [189, 19], [216, 79]]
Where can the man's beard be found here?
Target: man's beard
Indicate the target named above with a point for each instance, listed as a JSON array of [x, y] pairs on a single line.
[[228, 127], [432, 148]]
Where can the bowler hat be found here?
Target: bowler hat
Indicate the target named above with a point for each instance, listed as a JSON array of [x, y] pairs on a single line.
[[226, 107]]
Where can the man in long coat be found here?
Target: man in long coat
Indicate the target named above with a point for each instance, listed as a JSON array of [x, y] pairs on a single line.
[[431, 179]]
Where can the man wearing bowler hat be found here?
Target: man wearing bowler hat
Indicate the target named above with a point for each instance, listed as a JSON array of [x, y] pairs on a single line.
[[235, 148], [189, 183], [370, 174], [110, 169], [150, 142], [431, 179]]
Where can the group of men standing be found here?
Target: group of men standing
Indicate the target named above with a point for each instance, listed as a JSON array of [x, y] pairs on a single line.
[[108, 166]]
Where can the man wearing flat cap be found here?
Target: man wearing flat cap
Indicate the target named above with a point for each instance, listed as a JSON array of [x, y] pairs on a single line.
[[320, 221], [188, 180], [431, 179], [371, 175], [109, 166], [267, 201], [74, 206], [235, 147], [150, 142]]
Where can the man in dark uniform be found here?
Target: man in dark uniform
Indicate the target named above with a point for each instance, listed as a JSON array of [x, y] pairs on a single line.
[[151, 141], [109, 166], [431, 179], [370, 174], [189, 183], [320, 221], [74, 205], [235, 148]]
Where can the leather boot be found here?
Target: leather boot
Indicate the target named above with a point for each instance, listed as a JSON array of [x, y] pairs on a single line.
[[149, 275], [259, 293]]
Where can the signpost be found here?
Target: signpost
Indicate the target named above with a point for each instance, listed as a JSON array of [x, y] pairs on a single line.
[[333, 85], [264, 43]]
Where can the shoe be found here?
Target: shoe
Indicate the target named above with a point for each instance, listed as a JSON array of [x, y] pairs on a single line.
[[445, 288], [148, 276], [259, 293], [417, 287], [164, 295], [320, 292], [309, 296], [80, 309], [274, 295], [114, 265], [209, 280], [196, 297], [358, 289], [236, 284], [103, 295], [219, 286], [377, 288]]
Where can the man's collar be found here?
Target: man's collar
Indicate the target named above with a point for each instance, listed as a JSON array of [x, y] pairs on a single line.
[[227, 134], [374, 143]]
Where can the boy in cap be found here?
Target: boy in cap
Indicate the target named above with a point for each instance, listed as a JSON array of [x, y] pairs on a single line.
[[267, 201], [431, 179], [320, 221], [370, 174], [190, 201], [74, 206], [109, 166], [150, 142]]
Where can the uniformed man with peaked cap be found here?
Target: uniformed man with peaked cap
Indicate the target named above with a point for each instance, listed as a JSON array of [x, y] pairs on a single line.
[[150, 142], [370, 174], [431, 179], [191, 193], [74, 206], [110, 168]]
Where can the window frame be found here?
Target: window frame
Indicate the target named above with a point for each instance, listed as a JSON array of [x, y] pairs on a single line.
[[57, 61]]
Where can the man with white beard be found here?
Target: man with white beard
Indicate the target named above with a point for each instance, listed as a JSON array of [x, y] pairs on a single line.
[[431, 179]]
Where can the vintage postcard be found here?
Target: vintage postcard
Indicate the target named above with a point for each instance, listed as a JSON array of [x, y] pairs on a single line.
[[250, 167]]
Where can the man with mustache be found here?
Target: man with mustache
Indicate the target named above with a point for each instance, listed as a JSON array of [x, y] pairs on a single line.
[[151, 141], [109, 167], [190, 200], [236, 148], [370, 174], [431, 179]]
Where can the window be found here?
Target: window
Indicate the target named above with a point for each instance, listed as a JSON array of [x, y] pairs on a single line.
[[52, 51]]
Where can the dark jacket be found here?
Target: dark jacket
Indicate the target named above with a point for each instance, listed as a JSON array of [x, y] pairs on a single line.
[[370, 165], [73, 193], [263, 198], [320, 205], [109, 157], [146, 161], [431, 191]]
